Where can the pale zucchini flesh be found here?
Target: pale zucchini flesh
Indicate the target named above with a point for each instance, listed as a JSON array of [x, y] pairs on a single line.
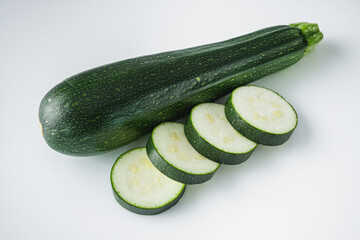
[[210, 133], [140, 187], [261, 115], [170, 151]]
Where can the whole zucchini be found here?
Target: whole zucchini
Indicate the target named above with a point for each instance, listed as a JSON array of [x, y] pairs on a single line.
[[109, 106]]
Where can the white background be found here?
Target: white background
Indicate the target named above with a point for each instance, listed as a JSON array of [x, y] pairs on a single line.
[[308, 188]]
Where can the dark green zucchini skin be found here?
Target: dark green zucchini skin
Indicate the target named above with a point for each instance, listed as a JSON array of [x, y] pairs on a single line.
[[147, 211], [109, 106], [211, 152]]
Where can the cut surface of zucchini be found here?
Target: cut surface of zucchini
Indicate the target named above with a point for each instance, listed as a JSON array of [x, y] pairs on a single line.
[[139, 187], [211, 134], [261, 115], [170, 151]]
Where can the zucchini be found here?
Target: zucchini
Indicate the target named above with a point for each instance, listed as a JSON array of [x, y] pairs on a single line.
[[171, 153], [261, 115], [139, 187], [210, 133], [109, 106]]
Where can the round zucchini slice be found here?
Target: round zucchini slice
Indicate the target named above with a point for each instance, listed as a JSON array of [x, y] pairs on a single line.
[[211, 134], [172, 154], [139, 187], [261, 115]]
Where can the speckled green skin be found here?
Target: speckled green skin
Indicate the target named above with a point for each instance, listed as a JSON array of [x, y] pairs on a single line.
[[172, 172], [139, 210], [247, 130], [109, 106], [211, 152]]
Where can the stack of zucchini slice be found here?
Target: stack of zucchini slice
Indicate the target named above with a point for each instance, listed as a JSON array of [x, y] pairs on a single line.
[[150, 180]]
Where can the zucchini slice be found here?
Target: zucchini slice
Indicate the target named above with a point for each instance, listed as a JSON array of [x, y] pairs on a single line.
[[139, 187], [211, 134], [172, 154], [261, 115]]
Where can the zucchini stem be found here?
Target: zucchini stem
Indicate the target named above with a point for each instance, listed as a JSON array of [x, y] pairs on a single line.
[[311, 33]]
